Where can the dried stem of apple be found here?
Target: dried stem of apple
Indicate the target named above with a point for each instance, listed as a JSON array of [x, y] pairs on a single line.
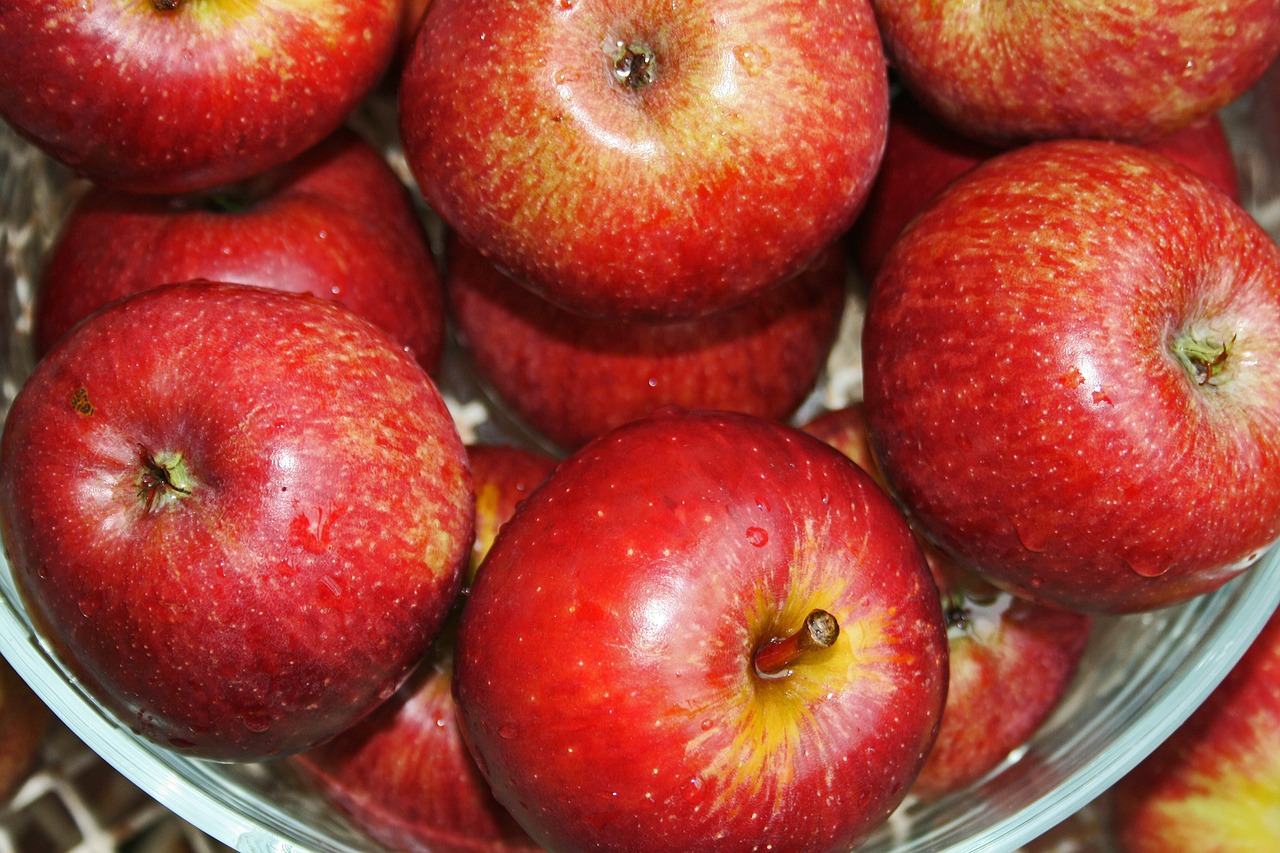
[[776, 657], [163, 477]]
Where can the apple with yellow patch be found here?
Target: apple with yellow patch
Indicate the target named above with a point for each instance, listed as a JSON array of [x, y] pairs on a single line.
[[1211, 787], [646, 158], [170, 96], [704, 631]]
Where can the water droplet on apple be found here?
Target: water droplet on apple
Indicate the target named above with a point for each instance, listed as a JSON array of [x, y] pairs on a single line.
[[758, 536], [706, 725], [763, 504], [181, 743], [508, 731], [568, 4], [1146, 568], [1033, 539], [89, 606]]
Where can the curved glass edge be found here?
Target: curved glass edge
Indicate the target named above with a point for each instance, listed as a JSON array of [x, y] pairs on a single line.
[[1222, 625], [1079, 762]]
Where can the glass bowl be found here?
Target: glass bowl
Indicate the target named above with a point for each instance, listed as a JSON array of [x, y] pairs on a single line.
[[1141, 677]]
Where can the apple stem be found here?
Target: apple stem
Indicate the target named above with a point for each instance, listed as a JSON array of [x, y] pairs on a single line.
[[1204, 360], [776, 657], [164, 477], [633, 65]]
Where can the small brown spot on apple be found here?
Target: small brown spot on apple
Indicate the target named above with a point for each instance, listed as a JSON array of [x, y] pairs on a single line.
[[80, 402], [753, 58]]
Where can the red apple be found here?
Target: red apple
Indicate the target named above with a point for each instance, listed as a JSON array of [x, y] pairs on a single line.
[[1211, 787], [1010, 660], [1130, 71], [923, 155], [1072, 376], [404, 773], [336, 222], [644, 159], [504, 476], [238, 515], [572, 377], [24, 721], [169, 96], [704, 631]]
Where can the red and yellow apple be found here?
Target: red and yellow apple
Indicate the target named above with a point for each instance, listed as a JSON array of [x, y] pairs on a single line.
[[336, 222], [238, 515], [704, 631], [645, 159], [172, 96], [1072, 376], [1131, 70]]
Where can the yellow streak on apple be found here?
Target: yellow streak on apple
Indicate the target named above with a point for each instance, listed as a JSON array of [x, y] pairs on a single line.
[[778, 723], [1233, 799]]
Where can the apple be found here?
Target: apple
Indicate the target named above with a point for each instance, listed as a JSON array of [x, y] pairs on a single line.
[[1010, 660], [571, 377], [237, 515], [172, 96], [704, 631], [504, 476], [1130, 71], [404, 773], [1071, 365], [646, 159], [1211, 786], [24, 721], [336, 222], [923, 155]]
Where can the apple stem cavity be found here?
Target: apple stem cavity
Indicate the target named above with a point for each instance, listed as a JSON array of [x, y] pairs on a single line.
[[166, 5], [1205, 359], [775, 658], [163, 479], [634, 65]]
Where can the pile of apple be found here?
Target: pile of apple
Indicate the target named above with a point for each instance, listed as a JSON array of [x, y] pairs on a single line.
[[240, 511]]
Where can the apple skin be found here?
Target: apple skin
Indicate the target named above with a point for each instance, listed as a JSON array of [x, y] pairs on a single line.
[[336, 222], [262, 514], [1072, 377], [923, 155], [604, 662], [730, 170], [504, 476], [1010, 660], [1211, 786], [404, 773], [1130, 71], [150, 100], [572, 377]]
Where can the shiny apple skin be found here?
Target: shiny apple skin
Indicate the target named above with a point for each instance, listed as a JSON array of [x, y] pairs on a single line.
[[1010, 661], [922, 155], [168, 101], [336, 222], [1211, 786], [1030, 392], [571, 377], [404, 774], [1131, 71], [751, 149], [319, 544], [604, 667]]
